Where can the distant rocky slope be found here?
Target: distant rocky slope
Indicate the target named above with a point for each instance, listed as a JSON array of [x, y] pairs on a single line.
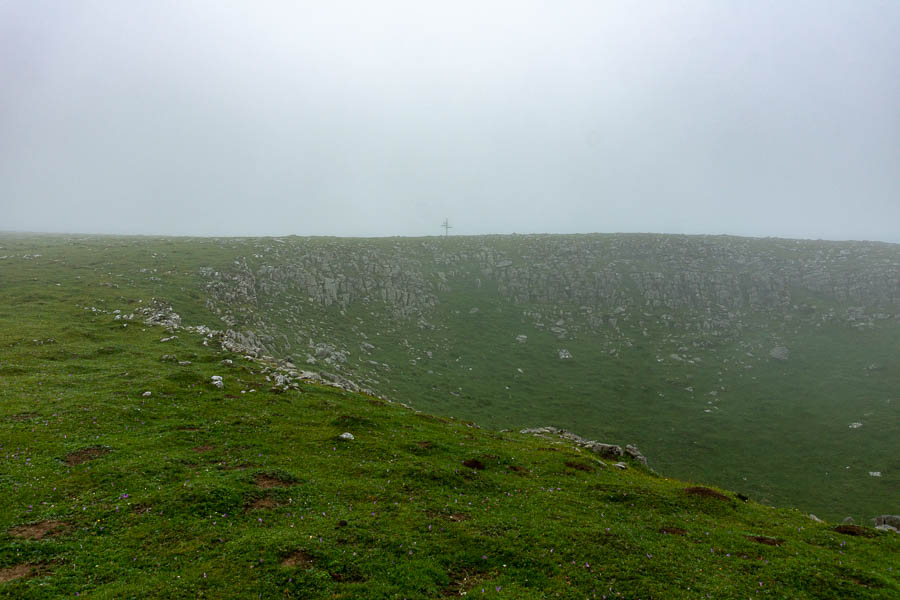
[[569, 284]]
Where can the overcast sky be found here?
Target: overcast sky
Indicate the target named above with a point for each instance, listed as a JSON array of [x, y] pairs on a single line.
[[376, 118]]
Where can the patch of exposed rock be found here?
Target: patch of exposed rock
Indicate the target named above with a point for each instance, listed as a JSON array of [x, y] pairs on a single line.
[[610, 451]]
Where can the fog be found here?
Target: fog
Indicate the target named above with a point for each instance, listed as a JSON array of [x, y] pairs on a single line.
[[383, 118]]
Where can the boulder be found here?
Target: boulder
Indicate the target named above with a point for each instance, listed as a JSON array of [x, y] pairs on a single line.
[[891, 520], [607, 450]]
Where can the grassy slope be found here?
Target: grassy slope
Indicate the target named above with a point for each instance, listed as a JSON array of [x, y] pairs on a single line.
[[777, 431], [173, 510]]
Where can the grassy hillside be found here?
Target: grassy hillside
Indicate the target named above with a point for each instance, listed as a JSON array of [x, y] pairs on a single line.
[[669, 338], [128, 474]]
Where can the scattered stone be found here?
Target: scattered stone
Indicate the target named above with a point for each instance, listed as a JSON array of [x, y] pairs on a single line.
[[779, 353], [848, 521], [346, 436], [184, 363], [521, 338], [564, 354], [169, 339], [146, 394], [227, 362], [875, 473], [217, 381], [620, 465], [855, 425], [887, 528], [815, 518]]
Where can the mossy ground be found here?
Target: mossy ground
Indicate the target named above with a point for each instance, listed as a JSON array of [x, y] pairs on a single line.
[[196, 491]]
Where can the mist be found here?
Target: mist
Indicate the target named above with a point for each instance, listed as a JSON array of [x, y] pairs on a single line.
[[380, 119]]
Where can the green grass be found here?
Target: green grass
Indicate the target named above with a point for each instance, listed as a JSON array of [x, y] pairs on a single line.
[[171, 509], [168, 503], [763, 434]]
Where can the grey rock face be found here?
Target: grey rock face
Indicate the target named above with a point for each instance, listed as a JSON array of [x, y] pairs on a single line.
[[611, 451], [607, 450], [634, 453], [160, 314]]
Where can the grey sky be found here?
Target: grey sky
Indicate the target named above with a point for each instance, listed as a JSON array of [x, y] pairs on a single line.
[[381, 118]]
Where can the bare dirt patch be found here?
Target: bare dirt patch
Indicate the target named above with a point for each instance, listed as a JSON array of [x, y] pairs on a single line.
[[761, 539], [425, 445], [579, 466], [38, 531], [25, 416], [19, 572], [267, 481], [188, 428], [672, 531], [298, 559], [707, 493], [517, 469], [854, 530], [458, 517], [141, 508], [261, 504], [200, 449], [474, 463], [85, 454]]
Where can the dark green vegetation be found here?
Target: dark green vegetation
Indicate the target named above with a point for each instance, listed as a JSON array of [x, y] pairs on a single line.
[[195, 491]]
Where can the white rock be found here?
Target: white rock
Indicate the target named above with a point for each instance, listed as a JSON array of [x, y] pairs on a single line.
[[620, 465], [147, 394], [564, 354], [217, 381], [875, 473], [855, 425], [346, 436]]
